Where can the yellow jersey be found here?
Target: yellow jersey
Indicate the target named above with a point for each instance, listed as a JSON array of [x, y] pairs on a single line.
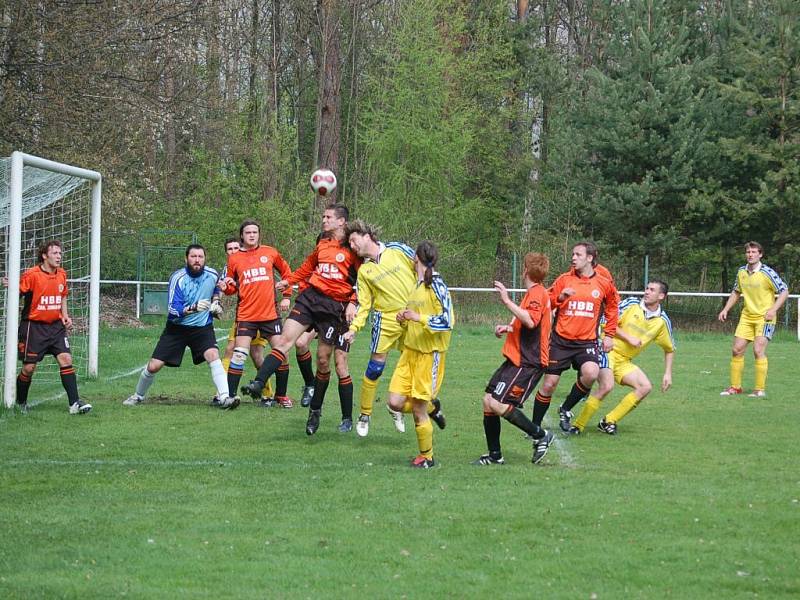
[[758, 289], [648, 326], [436, 317], [384, 285]]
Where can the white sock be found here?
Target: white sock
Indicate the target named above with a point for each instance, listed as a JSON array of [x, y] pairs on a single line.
[[220, 378], [145, 381]]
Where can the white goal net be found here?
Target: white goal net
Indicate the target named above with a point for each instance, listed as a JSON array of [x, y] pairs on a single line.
[[42, 200]]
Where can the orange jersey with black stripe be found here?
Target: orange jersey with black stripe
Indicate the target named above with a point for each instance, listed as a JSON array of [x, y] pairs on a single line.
[[331, 268], [526, 346], [253, 271], [579, 315], [43, 294]]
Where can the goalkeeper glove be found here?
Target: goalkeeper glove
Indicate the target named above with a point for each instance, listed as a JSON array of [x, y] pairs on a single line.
[[203, 305], [216, 309]]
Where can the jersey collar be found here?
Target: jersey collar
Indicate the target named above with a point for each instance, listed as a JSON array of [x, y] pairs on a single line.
[[756, 269], [650, 314]]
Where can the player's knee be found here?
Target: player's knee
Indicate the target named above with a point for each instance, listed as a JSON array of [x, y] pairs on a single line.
[[644, 388], [239, 356], [28, 368], [374, 370]]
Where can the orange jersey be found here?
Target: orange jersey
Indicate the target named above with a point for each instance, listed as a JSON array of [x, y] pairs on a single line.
[[331, 268], [579, 315], [253, 271], [531, 346], [43, 294]]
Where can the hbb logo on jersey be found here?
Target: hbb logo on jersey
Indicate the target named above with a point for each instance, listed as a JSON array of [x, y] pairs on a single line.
[[579, 308], [49, 303], [329, 271], [256, 274]]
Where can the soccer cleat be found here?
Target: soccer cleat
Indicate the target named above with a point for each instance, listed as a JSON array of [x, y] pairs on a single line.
[[284, 401], [573, 431], [308, 394], [437, 416], [757, 394], [346, 426], [397, 419], [563, 419], [229, 403], [421, 462], [606, 427], [23, 408], [541, 446], [253, 389], [362, 426], [731, 391], [79, 408], [133, 400], [268, 402], [487, 459], [215, 401], [313, 421]]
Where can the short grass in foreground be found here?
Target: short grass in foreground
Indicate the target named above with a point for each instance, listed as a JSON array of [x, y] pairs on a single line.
[[697, 496]]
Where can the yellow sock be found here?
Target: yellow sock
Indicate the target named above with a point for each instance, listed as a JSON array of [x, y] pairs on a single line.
[[226, 362], [369, 389], [589, 408], [626, 405], [425, 438], [408, 406], [761, 373], [267, 391], [737, 366]]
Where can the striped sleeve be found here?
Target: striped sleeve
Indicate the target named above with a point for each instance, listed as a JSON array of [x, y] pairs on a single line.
[[444, 320], [627, 303], [176, 299], [671, 346], [405, 249], [778, 283]]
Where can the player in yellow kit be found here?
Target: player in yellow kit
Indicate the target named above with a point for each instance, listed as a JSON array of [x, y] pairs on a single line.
[[385, 281], [419, 373], [641, 322], [764, 293]]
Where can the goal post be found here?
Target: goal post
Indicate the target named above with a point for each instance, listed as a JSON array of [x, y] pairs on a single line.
[[23, 204]]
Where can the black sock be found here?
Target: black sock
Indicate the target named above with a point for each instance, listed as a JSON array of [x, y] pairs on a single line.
[[233, 381], [491, 427], [271, 364], [320, 387], [282, 380], [576, 394], [70, 383], [346, 397], [516, 417], [540, 406], [306, 368], [23, 385]]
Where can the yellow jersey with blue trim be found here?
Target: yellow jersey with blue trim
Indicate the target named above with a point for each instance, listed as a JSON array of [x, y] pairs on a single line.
[[649, 326], [384, 285], [758, 288], [436, 317]]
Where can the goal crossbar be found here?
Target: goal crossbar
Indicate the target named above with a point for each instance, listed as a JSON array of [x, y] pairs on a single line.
[[19, 160]]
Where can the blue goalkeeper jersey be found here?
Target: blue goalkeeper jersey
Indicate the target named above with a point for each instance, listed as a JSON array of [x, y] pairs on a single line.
[[187, 290]]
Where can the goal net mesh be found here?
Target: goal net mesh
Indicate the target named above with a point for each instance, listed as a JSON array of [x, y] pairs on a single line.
[[54, 206]]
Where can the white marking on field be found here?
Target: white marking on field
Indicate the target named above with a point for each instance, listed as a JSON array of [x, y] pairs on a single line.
[[559, 441]]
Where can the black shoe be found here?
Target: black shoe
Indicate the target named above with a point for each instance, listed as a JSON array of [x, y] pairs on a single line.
[[609, 428], [573, 431], [253, 389], [23, 408], [487, 459], [563, 418], [437, 416], [346, 426], [541, 446], [308, 394], [313, 421], [268, 402], [215, 401]]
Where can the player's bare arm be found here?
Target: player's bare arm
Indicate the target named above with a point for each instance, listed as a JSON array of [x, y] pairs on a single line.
[[565, 293], [773, 310], [666, 381], [732, 299]]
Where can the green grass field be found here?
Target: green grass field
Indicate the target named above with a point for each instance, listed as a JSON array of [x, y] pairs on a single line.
[[698, 495]]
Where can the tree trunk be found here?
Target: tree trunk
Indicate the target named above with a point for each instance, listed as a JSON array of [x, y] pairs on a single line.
[[329, 101]]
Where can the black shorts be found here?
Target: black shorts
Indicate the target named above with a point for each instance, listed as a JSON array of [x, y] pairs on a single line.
[[37, 339], [267, 329], [571, 353], [175, 338], [317, 311], [511, 384]]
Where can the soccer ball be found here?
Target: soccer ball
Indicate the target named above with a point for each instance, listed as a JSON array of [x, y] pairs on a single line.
[[323, 181]]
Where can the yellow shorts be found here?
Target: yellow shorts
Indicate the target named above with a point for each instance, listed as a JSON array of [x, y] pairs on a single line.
[[418, 375], [387, 333], [257, 341], [621, 366], [749, 328]]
